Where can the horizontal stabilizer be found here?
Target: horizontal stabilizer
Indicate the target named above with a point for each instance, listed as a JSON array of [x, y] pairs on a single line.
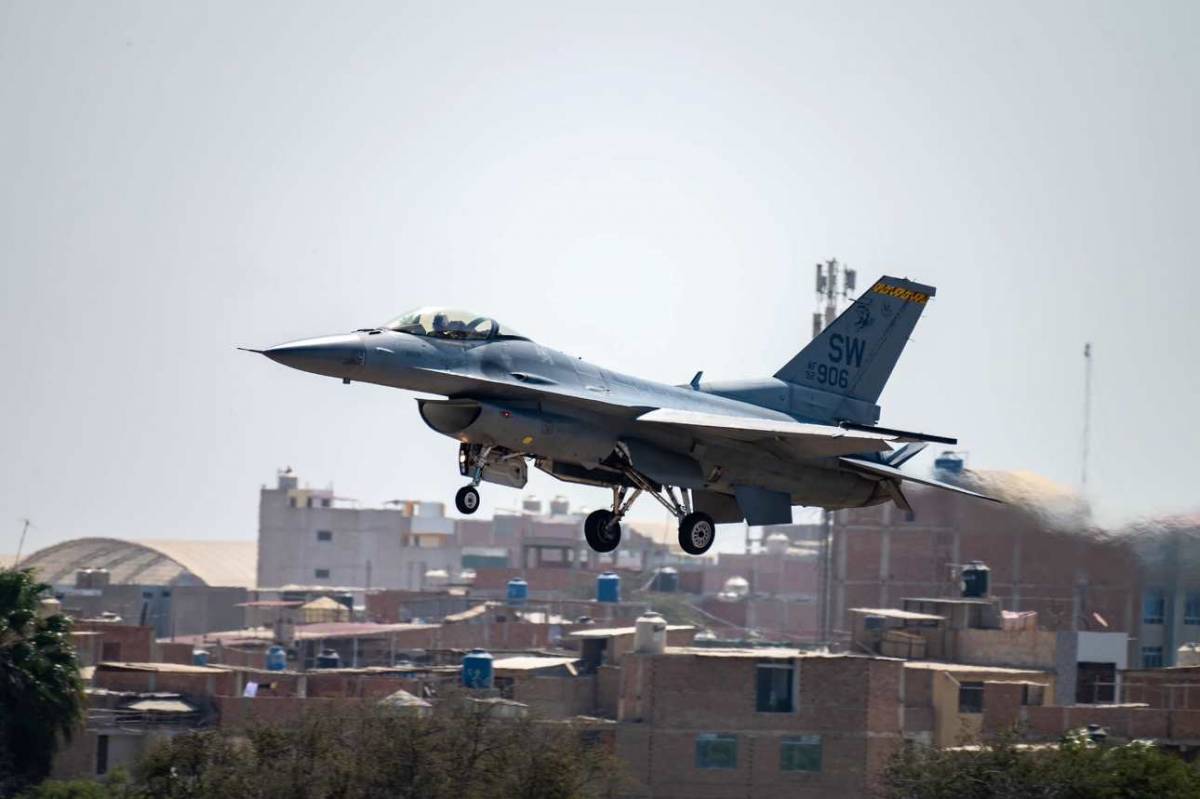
[[806, 440], [901, 435], [883, 470]]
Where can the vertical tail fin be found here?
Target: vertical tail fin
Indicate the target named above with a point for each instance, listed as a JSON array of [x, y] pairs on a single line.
[[855, 355]]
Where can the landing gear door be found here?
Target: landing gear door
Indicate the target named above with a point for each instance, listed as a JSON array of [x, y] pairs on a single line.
[[509, 471], [512, 473]]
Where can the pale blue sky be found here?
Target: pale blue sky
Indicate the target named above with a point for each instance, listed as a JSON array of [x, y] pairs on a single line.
[[646, 185]]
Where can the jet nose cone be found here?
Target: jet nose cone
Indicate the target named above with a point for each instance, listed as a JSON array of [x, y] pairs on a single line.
[[336, 356]]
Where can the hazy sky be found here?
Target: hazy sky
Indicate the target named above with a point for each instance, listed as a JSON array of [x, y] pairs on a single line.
[[646, 185]]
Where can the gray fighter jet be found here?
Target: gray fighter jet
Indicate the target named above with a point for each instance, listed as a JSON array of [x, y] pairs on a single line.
[[711, 452]]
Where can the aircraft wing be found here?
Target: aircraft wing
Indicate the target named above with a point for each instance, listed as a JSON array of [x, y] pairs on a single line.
[[883, 470], [802, 440]]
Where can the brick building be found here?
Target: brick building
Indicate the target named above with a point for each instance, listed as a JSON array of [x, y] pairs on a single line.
[[1043, 555]]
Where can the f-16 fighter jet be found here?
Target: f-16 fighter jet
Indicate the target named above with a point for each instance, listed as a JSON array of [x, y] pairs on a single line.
[[711, 452]]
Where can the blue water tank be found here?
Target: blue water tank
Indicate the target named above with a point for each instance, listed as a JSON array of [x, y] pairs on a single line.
[[329, 659], [199, 657], [518, 592], [667, 579], [477, 669], [276, 659], [608, 587]]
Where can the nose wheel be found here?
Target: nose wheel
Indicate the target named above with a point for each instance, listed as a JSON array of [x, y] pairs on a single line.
[[467, 500]]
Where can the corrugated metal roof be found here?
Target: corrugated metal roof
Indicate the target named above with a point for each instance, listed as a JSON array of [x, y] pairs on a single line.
[[165, 562], [965, 667], [161, 706], [174, 668], [470, 613], [614, 632], [530, 663], [892, 613], [352, 629]]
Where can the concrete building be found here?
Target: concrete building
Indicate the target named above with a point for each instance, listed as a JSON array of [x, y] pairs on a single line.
[[1168, 555], [309, 537]]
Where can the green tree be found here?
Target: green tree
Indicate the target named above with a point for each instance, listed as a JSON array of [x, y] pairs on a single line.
[[464, 750], [41, 694], [1075, 768]]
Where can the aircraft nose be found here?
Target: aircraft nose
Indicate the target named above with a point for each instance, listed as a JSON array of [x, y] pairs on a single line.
[[336, 356]]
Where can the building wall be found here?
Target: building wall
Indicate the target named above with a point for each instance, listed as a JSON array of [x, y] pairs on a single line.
[[1065, 574], [853, 704], [289, 552]]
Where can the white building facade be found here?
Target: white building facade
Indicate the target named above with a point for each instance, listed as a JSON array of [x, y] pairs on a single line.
[[306, 537]]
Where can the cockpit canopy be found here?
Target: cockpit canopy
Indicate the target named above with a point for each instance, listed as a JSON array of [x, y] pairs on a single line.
[[452, 323]]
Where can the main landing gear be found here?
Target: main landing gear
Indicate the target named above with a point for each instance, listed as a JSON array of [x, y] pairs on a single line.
[[602, 528]]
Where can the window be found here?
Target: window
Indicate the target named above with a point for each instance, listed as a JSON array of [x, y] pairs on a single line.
[[716, 751], [324, 535], [1153, 606], [1152, 657], [774, 688], [970, 697], [321, 574], [1033, 694], [1191, 608], [800, 753], [101, 755]]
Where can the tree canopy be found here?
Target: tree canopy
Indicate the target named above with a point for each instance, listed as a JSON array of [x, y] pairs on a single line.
[[41, 694], [1076, 768]]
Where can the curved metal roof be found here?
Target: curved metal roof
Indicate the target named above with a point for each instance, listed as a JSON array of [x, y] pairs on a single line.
[[216, 563]]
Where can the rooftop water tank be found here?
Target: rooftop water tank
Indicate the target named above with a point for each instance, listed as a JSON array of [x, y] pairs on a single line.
[[347, 599], [667, 579], [650, 636], [477, 669], [276, 658], [560, 506], [975, 579], [735, 588], [1188, 655], [531, 504], [200, 658], [329, 659], [778, 543], [949, 461], [608, 587], [436, 578], [518, 592]]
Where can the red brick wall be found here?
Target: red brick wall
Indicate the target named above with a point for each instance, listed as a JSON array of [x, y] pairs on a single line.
[[136, 643]]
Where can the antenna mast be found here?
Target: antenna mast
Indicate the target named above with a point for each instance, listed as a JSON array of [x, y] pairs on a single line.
[[834, 281], [1087, 409], [21, 543]]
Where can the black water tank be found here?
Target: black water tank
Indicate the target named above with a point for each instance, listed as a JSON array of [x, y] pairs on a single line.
[[975, 577]]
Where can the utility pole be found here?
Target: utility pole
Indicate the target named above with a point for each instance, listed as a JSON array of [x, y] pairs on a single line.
[[834, 282], [1087, 410]]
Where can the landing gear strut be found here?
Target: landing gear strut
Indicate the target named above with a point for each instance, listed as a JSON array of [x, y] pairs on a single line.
[[602, 529]]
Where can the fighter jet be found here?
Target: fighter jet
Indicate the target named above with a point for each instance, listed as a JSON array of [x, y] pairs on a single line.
[[711, 452]]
